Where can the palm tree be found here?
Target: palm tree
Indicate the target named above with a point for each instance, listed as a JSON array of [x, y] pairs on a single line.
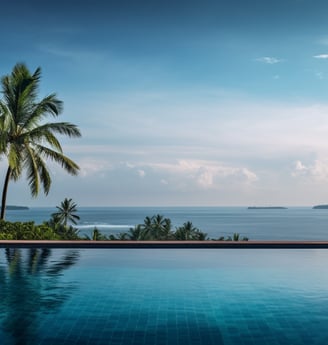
[[138, 233], [97, 236], [189, 232], [66, 213], [25, 139], [185, 232], [156, 228]]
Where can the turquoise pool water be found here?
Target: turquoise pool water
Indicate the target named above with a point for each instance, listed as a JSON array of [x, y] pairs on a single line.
[[103, 296]]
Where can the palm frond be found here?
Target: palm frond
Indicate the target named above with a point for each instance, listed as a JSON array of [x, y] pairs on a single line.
[[41, 136], [66, 212], [64, 128], [49, 105], [31, 167], [24, 138], [70, 166], [44, 175], [14, 156]]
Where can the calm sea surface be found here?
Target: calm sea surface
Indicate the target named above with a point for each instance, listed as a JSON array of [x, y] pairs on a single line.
[[294, 223]]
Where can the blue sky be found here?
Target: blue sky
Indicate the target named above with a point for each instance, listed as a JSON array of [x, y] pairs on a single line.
[[181, 102]]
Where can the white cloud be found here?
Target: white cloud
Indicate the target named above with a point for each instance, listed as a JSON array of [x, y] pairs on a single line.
[[204, 174], [269, 60], [129, 165], [202, 127], [321, 56], [92, 167], [300, 167], [317, 171], [177, 144]]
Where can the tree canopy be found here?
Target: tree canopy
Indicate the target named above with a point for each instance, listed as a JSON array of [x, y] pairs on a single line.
[[26, 139]]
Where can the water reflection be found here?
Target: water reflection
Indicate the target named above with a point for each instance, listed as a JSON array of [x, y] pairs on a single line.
[[30, 286]]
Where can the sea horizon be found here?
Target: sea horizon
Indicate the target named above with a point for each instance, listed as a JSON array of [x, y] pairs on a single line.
[[292, 223]]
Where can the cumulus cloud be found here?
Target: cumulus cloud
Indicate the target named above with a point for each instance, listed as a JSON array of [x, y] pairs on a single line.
[[318, 170], [204, 174], [91, 167], [300, 167], [268, 60]]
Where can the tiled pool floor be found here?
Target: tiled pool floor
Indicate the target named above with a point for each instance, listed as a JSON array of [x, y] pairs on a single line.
[[163, 297]]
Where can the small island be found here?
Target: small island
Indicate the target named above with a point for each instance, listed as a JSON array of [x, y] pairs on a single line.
[[16, 208], [267, 208], [320, 207]]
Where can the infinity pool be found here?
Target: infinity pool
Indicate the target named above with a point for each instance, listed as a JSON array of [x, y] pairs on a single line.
[[163, 296]]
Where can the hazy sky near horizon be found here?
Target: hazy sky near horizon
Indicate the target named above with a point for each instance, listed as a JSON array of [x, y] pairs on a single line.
[[180, 102]]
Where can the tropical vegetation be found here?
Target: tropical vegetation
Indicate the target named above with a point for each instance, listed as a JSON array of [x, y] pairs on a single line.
[[155, 228], [66, 213], [159, 228], [26, 140], [56, 228], [26, 231]]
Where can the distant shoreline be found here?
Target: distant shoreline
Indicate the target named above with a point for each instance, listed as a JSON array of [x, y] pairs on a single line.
[[320, 207], [16, 208]]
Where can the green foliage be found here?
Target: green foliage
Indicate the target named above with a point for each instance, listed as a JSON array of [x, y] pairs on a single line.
[[26, 140], [26, 231], [158, 228], [98, 236], [188, 232], [137, 233], [67, 232], [64, 232], [66, 213], [235, 237], [58, 221], [155, 228]]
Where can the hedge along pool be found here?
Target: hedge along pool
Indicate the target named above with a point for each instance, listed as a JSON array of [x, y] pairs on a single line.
[[163, 296]]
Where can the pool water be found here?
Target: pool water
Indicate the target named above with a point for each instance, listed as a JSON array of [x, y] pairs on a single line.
[[166, 296]]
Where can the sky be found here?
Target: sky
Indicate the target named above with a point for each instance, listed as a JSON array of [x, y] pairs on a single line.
[[180, 103]]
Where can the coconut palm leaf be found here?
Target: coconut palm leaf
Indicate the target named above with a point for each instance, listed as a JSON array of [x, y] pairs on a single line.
[[66, 212], [25, 140]]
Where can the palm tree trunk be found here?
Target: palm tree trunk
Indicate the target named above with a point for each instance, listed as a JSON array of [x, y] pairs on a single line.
[[4, 193]]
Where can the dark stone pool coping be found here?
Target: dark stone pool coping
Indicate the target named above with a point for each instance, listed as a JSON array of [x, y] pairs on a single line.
[[167, 244]]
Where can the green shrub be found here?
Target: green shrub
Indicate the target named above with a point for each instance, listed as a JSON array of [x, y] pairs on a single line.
[[26, 231]]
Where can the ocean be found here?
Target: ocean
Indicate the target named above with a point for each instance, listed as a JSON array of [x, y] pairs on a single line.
[[294, 223]]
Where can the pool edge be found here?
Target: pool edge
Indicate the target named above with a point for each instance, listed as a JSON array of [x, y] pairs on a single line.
[[166, 244]]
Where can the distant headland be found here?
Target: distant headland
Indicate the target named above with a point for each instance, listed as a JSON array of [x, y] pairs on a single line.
[[267, 208], [16, 208], [320, 207]]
